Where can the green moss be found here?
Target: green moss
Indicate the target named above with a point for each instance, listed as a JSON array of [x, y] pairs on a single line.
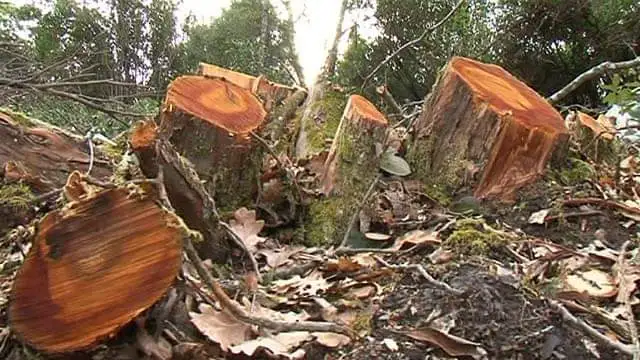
[[16, 196], [321, 227], [468, 239], [363, 323], [327, 114], [575, 173], [19, 117], [438, 193]]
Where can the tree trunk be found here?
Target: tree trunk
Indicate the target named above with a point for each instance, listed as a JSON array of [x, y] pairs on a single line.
[[350, 168], [93, 267], [321, 114], [480, 120], [36, 158]]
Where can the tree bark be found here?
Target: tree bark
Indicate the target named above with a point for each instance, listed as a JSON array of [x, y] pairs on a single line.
[[483, 128], [350, 167], [35, 159], [209, 122], [93, 267]]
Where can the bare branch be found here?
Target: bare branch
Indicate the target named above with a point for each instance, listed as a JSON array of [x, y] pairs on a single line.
[[591, 74], [87, 83], [413, 42]]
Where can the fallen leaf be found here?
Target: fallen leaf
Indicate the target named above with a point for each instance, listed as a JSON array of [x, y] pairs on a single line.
[[361, 291], [343, 264], [539, 216], [595, 283], [377, 236], [364, 260], [247, 228], [441, 256], [417, 237], [279, 257], [220, 327], [390, 344], [452, 345], [279, 345], [394, 164], [331, 340], [189, 351]]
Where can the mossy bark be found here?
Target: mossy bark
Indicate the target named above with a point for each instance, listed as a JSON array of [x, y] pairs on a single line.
[[320, 120], [351, 167], [483, 131], [228, 164]]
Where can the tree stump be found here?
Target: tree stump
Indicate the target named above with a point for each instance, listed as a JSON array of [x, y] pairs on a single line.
[[483, 128], [350, 168], [209, 121], [95, 265]]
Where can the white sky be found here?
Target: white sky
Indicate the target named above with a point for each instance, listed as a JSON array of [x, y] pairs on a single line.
[[315, 26]]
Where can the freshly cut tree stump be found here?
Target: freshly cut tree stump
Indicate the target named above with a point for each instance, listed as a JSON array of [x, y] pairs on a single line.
[[595, 137], [209, 122], [350, 168], [480, 120], [42, 156], [271, 93], [94, 266]]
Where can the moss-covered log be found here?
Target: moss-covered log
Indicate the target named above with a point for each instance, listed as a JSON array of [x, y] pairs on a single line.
[[350, 168], [95, 265], [209, 122], [483, 128]]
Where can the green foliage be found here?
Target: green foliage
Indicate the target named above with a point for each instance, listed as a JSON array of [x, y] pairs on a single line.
[[411, 73], [548, 43], [624, 93], [247, 37]]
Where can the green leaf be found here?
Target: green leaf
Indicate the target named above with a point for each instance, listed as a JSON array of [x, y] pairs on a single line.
[[394, 164]]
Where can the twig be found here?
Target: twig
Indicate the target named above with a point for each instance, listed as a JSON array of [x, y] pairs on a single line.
[[633, 329], [572, 214], [601, 202], [413, 42], [347, 250], [388, 98], [356, 213], [420, 269], [590, 74], [569, 317], [241, 314]]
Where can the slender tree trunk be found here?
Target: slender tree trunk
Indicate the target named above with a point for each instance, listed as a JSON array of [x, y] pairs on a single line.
[[310, 137]]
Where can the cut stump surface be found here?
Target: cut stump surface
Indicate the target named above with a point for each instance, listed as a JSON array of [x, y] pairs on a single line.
[[93, 267]]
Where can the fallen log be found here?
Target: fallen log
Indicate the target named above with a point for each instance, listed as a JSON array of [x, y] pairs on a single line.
[[42, 156], [209, 122], [480, 120], [35, 159], [350, 167], [95, 265]]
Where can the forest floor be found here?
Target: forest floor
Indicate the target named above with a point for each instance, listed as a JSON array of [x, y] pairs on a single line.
[[478, 283]]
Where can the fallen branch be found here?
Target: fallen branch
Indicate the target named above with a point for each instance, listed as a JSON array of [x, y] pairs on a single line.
[[591, 74], [388, 98], [595, 334], [601, 202], [413, 42], [422, 271], [551, 218], [242, 315]]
